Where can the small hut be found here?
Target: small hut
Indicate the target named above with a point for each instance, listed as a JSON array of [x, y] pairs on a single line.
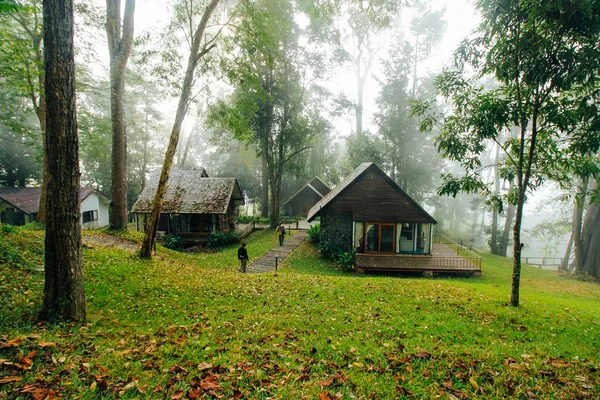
[[370, 214], [305, 198], [20, 205], [194, 205]]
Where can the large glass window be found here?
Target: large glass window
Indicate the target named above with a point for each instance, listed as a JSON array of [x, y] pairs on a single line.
[[372, 235], [359, 232], [404, 240]]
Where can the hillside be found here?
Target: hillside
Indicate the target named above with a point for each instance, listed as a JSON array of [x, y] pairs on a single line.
[[189, 325]]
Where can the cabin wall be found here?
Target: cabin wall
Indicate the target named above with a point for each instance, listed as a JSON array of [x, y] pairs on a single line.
[[373, 199], [12, 215], [307, 198], [95, 204], [336, 230]]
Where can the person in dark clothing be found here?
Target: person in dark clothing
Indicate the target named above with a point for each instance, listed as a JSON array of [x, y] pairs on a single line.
[[243, 257], [281, 233]]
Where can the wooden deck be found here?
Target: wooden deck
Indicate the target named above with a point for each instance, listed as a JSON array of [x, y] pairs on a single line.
[[441, 260]]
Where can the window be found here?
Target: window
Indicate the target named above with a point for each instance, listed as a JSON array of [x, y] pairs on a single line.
[[89, 216]]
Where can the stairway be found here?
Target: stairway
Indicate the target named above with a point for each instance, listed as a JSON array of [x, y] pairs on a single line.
[[266, 263]]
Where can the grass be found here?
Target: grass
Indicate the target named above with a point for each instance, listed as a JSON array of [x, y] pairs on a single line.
[[188, 325]]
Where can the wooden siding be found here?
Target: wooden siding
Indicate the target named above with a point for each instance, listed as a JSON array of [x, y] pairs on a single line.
[[305, 197], [372, 198]]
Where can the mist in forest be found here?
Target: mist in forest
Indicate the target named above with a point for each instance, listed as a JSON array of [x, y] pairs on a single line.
[[340, 79]]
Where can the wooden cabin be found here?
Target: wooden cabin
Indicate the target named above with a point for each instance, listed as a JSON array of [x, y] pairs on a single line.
[[305, 198], [389, 231], [20, 205], [194, 206]]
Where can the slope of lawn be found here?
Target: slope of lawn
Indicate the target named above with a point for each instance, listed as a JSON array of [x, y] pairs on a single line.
[[190, 326]]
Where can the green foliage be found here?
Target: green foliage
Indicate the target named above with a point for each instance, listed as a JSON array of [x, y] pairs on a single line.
[[314, 233], [8, 229], [245, 219], [220, 239], [173, 242], [179, 308], [21, 247], [345, 260]]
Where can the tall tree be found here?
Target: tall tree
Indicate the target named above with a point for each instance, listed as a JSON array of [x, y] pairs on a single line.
[[274, 105], [22, 66], [64, 296], [545, 57], [197, 51], [120, 41]]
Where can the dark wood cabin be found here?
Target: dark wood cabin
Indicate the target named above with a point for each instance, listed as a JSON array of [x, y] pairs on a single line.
[[371, 214], [309, 195], [194, 206]]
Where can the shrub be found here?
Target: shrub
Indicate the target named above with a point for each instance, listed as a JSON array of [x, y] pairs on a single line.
[[314, 233], [173, 242], [218, 239], [8, 229], [344, 259], [245, 219]]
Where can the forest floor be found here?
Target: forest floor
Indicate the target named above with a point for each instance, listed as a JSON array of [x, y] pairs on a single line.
[[190, 326]]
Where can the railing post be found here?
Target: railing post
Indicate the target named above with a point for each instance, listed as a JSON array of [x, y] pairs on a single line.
[[276, 263]]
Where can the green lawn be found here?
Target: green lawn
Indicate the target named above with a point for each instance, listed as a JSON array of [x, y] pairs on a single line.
[[189, 325]]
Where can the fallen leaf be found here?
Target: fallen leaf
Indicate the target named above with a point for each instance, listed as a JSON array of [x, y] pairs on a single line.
[[44, 344], [423, 354], [560, 364], [204, 366], [210, 383], [325, 396], [325, 382], [9, 379], [15, 342], [177, 395], [474, 383]]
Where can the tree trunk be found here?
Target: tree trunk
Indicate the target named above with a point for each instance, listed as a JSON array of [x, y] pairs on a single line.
[[517, 249], [359, 104], [590, 242], [119, 47], [564, 266], [145, 152], [264, 202], [494, 245], [182, 107], [64, 296], [510, 215], [576, 230]]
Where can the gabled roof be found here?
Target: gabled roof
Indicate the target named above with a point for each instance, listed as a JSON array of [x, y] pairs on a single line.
[[321, 186], [315, 185], [27, 199], [351, 180], [189, 191]]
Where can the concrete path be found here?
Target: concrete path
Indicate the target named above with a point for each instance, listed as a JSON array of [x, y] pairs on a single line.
[[266, 263]]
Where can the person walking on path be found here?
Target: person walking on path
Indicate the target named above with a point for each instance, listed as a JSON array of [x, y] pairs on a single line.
[[243, 257], [281, 233]]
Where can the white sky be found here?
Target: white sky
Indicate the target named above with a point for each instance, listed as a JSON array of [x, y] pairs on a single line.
[[151, 15]]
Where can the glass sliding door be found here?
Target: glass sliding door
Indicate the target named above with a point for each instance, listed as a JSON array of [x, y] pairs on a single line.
[[386, 244]]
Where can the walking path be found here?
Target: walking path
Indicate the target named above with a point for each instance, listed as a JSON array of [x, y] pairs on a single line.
[[266, 263]]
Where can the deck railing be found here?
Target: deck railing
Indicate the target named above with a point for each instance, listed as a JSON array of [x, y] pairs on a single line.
[[459, 249], [246, 229]]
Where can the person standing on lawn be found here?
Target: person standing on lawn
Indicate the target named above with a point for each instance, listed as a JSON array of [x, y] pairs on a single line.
[[243, 257], [281, 233]]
